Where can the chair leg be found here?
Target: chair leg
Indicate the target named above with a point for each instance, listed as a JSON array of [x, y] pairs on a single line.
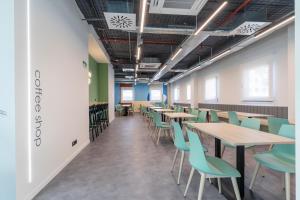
[[201, 187], [189, 182], [236, 188], [180, 167], [174, 159], [287, 186], [219, 185], [158, 136], [254, 175]]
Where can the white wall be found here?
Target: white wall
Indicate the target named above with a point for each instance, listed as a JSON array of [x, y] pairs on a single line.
[[111, 92], [59, 41], [274, 49]]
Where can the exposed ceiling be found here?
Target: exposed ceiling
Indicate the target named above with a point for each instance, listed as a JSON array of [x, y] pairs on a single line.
[[163, 33]]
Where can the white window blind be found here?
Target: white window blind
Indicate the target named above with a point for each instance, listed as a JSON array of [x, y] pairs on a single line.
[[211, 89], [155, 95], [176, 94], [188, 92], [258, 83], [127, 94]]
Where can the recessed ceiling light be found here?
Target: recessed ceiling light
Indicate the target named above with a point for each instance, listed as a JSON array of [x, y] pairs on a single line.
[[129, 77], [127, 69]]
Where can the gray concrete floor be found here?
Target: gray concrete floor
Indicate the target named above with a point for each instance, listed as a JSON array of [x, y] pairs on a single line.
[[124, 163]]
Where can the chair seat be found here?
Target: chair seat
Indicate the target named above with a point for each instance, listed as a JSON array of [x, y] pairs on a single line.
[[164, 126], [187, 147], [276, 162], [219, 167]]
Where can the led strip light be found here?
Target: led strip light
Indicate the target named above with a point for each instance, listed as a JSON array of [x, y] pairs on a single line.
[[29, 93]]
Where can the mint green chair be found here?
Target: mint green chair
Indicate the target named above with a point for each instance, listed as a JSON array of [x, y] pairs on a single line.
[[119, 109], [180, 109], [209, 167], [180, 145], [233, 118], [202, 117], [214, 117], [275, 123], [160, 126], [280, 158], [251, 123]]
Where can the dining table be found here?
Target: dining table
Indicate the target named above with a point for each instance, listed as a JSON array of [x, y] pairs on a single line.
[[163, 110], [179, 116], [239, 137]]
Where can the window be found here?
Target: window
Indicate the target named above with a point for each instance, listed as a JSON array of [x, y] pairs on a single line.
[[155, 95], [176, 94], [211, 89], [127, 94], [258, 84], [188, 92]]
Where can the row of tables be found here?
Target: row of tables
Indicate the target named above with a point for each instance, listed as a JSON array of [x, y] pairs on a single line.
[[235, 135]]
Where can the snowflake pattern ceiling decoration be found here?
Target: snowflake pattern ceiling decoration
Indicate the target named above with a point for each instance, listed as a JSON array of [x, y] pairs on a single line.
[[248, 28], [121, 21]]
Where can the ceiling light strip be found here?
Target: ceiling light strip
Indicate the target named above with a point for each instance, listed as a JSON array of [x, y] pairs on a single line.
[[138, 53], [276, 26], [174, 56], [220, 55], [211, 17], [143, 16], [29, 91]]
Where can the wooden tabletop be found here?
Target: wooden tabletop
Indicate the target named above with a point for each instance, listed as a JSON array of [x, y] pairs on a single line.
[[179, 115], [163, 110], [244, 114], [126, 105], [155, 107], [207, 109], [237, 135]]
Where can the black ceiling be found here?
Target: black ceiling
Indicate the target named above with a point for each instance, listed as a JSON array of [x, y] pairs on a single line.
[[121, 45]]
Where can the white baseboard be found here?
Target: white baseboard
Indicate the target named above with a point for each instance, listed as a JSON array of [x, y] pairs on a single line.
[[40, 186]]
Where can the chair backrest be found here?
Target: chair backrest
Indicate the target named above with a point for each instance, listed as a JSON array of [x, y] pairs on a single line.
[[179, 141], [197, 157], [275, 123], [233, 118], [287, 150], [202, 117], [180, 109], [157, 118], [251, 123], [214, 116]]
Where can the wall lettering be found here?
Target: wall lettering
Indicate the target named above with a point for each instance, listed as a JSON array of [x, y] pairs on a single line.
[[38, 122]]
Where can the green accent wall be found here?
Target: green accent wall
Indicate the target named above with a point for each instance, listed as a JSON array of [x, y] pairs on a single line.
[[98, 88], [103, 82]]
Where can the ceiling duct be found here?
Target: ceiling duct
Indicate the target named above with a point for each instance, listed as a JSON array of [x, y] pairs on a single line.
[[120, 21], [152, 63], [176, 7]]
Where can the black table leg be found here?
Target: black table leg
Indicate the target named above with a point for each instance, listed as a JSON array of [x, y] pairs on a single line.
[[180, 122], [240, 166], [217, 147], [126, 111]]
